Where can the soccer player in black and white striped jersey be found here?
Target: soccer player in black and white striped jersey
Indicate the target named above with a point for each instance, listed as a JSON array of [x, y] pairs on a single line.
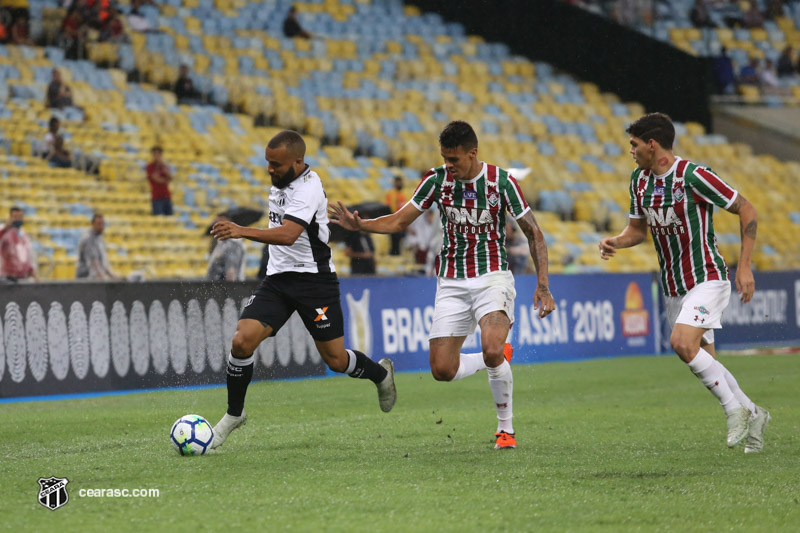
[[300, 277]]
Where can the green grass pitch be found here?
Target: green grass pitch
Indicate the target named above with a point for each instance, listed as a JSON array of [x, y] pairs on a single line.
[[633, 444]]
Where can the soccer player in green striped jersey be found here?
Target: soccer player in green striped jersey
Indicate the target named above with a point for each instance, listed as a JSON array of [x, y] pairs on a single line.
[[474, 284], [675, 198]]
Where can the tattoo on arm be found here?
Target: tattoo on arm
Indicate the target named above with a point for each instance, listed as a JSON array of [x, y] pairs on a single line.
[[538, 247], [737, 204], [750, 230]]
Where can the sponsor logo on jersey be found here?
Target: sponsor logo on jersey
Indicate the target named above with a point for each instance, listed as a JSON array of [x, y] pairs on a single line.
[[275, 218], [658, 190], [702, 309], [470, 195], [469, 220], [663, 221]]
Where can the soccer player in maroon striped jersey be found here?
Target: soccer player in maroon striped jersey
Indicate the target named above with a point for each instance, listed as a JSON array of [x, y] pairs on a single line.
[[674, 198], [474, 285]]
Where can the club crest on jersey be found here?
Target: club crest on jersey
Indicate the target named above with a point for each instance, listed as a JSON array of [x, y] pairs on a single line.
[[678, 192], [493, 199], [470, 195]]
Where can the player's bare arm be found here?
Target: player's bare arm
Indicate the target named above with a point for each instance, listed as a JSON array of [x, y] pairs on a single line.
[[748, 227], [542, 299], [634, 233], [284, 235], [394, 223]]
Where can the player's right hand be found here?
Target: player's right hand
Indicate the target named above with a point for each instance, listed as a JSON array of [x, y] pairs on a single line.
[[340, 215], [607, 250]]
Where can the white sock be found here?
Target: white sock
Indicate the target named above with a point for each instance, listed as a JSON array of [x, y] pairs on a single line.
[[235, 361], [737, 392], [501, 381], [712, 374], [351, 362], [468, 364]]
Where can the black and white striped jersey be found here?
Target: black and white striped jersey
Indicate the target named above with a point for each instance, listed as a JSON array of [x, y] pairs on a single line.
[[304, 202]]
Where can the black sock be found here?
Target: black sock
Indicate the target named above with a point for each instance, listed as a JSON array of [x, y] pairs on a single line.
[[366, 368], [238, 379]]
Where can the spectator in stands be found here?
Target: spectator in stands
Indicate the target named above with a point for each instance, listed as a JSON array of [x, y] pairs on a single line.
[[699, 15], [724, 75], [74, 30], [19, 32], [517, 249], [774, 9], [361, 251], [49, 140], [291, 26], [396, 199], [112, 29], [59, 156], [752, 16], [159, 177], [748, 75], [92, 255], [4, 26], [423, 234], [785, 66], [226, 262], [17, 259], [136, 20], [769, 78], [184, 87], [59, 95]]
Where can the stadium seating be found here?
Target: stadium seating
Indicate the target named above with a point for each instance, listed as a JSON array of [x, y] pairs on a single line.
[[371, 94]]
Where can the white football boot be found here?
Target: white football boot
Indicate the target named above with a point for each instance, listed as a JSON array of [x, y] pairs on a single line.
[[387, 393], [755, 434], [224, 427], [738, 422]]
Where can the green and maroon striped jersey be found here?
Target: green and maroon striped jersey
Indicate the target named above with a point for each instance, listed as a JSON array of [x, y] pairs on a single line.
[[679, 208], [473, 215]]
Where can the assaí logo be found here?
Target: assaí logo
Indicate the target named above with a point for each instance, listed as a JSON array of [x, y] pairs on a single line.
[[635, 318]]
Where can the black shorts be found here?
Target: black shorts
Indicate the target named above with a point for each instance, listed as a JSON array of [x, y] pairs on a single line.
[[315, 297]]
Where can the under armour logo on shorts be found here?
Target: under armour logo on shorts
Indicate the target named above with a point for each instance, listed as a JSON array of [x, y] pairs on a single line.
[[321, 314]]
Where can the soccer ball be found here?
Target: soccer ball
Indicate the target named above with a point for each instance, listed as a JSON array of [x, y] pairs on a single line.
[[191, 435]]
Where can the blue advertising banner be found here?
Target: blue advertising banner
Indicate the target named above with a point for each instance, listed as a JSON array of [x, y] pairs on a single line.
[[598, 315], [771, 318]]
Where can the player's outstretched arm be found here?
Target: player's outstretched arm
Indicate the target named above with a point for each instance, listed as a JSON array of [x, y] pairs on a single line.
[[542, 299], [634, 233], [748, 227], [284, 235], [394, 223]]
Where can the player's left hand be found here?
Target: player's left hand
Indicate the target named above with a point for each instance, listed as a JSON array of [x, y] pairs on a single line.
[[745, 284], [543, 301], [225, 230]]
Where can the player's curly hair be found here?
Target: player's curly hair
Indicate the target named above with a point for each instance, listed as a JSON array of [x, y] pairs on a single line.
[[458, 133], [656, 126]]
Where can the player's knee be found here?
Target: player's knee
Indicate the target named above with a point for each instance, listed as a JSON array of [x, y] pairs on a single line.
[[443, 373], [243, 346], [493, 356], [684, 347]]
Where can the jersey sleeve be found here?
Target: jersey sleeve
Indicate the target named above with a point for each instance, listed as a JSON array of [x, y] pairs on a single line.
[[707, 185], [305, 202], [515, 201], [635, 210], [425, 195]]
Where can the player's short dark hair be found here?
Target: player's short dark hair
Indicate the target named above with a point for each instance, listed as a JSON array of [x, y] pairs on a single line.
[[656, 126], [293, 141], [458, 133]]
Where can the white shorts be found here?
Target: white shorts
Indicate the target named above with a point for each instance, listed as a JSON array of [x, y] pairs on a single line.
[[701, 307], [461, 303]]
